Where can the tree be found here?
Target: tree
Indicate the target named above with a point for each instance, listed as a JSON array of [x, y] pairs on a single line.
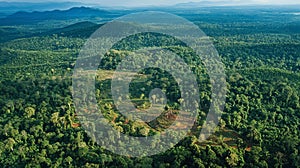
[[29, 112], [10, 142], [55, 118], [68, 160], [232, 160]]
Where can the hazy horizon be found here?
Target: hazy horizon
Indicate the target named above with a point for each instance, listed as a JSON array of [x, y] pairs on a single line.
[[138, 3]]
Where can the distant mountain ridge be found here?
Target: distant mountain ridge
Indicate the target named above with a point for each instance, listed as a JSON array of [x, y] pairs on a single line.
[[12, 7], [25, 18], [212, 3]]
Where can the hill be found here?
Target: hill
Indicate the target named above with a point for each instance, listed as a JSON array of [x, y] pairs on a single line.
[[12, 7], [27, 18], [81, 29]]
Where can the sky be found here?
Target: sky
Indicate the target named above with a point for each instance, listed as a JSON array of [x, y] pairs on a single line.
[[136, 3]]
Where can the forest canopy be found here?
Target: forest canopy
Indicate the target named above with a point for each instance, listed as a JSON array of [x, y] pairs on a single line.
[[259, 127]]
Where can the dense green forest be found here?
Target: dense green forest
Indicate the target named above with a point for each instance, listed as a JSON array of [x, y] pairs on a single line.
[[39, 126]]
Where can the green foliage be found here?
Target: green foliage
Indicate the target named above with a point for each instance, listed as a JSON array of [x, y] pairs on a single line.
[[260, 124]]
